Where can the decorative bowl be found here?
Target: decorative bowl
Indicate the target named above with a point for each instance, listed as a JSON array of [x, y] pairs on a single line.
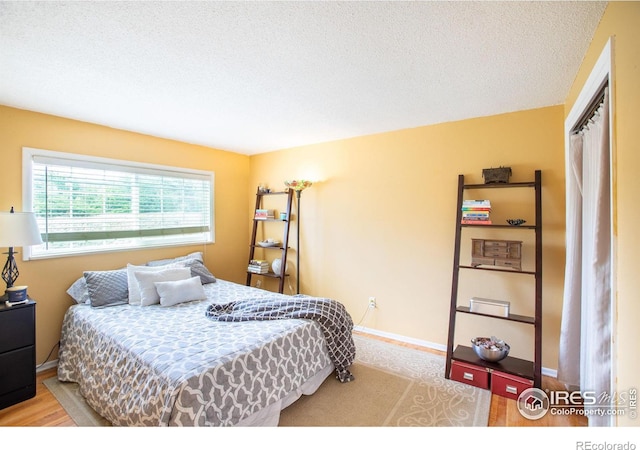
[[516, 222], [490, 349], [268, 243]]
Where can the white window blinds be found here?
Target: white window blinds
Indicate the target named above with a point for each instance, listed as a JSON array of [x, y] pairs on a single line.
[[86, 204]]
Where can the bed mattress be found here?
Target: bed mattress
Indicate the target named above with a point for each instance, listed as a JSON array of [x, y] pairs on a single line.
[[172, 366]]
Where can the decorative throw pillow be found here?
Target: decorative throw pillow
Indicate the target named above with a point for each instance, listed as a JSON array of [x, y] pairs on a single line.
[[198, 269], [192, 260], [146, 282], [162, 262], [132, 282], [79, 292], [107, 287], [174, 292]]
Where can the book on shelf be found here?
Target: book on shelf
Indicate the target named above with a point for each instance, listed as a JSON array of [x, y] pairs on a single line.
[[475, 222], [479, 209], [476, 212], [264, 214], [259, 266], [259, 263], [475, 217], [476, 203], [472, 214]]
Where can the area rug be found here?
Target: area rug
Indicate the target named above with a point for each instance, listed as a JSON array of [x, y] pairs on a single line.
[[73, 403], [394, 386]]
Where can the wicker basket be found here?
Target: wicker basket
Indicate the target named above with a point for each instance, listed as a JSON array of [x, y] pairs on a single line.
[[496, 175]]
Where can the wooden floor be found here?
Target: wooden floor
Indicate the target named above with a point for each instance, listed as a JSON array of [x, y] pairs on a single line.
[[504, 412], [41, 411], [44, 410]]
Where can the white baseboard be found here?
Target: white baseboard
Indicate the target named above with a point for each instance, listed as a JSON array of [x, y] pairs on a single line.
[[47, 365], [398, 337], [443, 348]]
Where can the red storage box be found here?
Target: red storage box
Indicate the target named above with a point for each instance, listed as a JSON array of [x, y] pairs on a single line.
[[470, 374], [507, 385]]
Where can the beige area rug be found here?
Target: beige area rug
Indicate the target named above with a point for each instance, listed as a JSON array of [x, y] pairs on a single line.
[[69, 397], [394, 387]]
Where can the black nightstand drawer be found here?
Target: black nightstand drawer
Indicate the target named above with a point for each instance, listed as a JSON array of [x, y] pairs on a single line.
[[17, 327], [17, 369]]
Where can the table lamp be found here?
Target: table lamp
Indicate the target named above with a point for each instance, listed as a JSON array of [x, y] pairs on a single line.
[[17, 229]]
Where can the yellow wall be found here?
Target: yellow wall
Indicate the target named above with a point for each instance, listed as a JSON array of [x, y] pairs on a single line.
[[620, 21], [48, 280], [380, 221]]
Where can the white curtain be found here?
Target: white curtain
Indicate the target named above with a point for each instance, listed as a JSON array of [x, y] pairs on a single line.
[[585, 339], [570, 330]]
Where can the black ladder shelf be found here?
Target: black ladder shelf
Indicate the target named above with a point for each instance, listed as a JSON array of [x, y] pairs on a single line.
[[284, 245], [527, 369]]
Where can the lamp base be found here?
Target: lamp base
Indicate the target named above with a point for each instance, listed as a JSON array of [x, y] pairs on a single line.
[[10, 271]]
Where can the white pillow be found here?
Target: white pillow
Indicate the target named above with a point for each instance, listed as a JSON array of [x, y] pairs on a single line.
[[148, 293], [134, 290], [174, 292]]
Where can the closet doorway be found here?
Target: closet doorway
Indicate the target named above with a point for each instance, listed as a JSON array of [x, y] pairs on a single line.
[[586, 353]]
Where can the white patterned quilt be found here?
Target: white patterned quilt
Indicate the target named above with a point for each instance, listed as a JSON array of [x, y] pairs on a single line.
[[173, 366]]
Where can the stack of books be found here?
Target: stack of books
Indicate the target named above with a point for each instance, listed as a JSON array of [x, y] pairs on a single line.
[[264, 214], [258, 266], [476, 212]]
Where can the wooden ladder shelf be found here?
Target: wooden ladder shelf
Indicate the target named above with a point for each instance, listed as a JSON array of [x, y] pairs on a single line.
[[283, 247], [531, 370]]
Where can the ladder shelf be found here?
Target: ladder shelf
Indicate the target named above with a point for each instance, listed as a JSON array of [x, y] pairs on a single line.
[[530, 370], [283, 248]]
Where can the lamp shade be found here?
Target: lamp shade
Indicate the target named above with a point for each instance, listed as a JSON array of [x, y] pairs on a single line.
[[297, 185], [19, 229]]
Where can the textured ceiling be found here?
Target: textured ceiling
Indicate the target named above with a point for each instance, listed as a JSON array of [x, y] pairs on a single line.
[[251, 77]]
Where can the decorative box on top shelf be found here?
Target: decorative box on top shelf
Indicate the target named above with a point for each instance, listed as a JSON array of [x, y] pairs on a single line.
[[496, 175]]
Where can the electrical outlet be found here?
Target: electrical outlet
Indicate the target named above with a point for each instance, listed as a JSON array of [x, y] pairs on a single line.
[[258, 283], [372, 302]]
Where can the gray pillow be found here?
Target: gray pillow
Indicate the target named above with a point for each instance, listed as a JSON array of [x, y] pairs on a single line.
[[200, 270], [194, 261], [107, 287], [79, 292], [161, 262]]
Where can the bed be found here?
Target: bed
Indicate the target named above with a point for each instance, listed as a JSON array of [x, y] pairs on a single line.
[[193, 362]]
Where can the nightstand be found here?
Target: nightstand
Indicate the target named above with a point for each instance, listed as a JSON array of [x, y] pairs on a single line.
[[17, 353]]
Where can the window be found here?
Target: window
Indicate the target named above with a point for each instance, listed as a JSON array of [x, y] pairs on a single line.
[[87, 204]]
